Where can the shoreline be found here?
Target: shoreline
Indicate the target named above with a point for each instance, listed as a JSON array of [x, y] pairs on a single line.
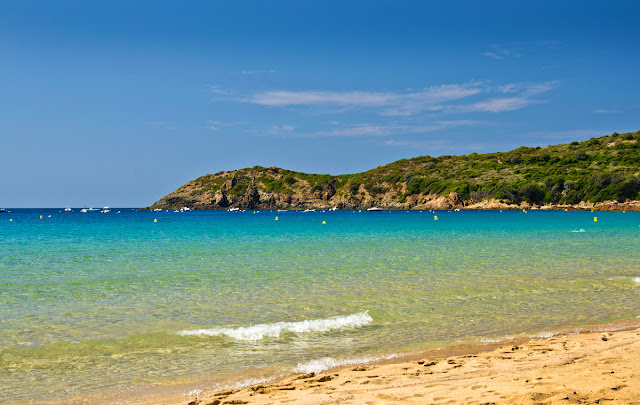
[[492, 372], [586, 365], [439, 204]]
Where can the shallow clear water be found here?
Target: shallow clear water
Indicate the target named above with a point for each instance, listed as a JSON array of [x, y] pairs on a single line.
[[97, 302]]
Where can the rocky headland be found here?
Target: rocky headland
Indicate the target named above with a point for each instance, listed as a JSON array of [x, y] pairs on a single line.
[[598, 174]]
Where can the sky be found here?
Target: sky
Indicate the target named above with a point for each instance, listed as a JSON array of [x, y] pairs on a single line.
[[117, 103]]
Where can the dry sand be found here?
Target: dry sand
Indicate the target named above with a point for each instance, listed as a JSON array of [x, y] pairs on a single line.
[[585, 368]]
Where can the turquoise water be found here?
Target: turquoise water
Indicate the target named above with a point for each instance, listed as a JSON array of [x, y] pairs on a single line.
[[92, 303]]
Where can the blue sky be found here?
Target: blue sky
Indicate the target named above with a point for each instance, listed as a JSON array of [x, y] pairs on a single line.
[[118, 103]]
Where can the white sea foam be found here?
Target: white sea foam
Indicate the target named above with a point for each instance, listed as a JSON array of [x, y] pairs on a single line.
[[497, 340], [579, 230], [274, 330], [544, 335], [325, 363], [636, 279], [235, 385]]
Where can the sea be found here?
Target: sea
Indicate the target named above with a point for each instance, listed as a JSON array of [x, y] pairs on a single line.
[[101, 307]]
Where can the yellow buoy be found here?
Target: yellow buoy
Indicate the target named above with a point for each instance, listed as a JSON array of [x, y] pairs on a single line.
[[595, 219], [324, 222], [276, 218], [565, 210], [10, 220], [435, 217], [40, 216], [155, 220]]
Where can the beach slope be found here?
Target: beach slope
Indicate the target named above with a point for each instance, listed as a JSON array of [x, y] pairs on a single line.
[[585, 368]]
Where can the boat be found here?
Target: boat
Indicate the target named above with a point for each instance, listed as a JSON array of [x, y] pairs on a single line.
[[184, 209], [2, 210], [333, 209], [308, 210], [282, 210], [374, 209], [89, 210], [67, 209], [157, 210], [105, 210], [234, 209]]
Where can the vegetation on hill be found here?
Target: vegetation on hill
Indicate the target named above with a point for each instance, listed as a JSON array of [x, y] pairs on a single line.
[[599, 169]]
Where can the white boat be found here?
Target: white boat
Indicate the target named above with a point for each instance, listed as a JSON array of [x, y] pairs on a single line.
[[234, 209], [2, 210], [89, 210], [105, 210], [309, 210], [333, 209], [67, 209], [374, 209], [157, 210], [282, 210], [183, 209]]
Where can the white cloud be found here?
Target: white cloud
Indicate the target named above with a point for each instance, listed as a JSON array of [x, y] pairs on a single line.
[[279, 129], [606, 111], [390, 103], [218, 90], [436, 99], [498, 104]]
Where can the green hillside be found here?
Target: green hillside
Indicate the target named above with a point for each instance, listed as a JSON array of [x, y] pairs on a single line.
[[606, 168], [600, 169]]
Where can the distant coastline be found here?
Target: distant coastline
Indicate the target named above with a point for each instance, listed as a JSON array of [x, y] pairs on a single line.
[[600, 174]]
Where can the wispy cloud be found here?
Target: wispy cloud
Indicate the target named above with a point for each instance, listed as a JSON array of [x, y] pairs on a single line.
[[391, 103], [518, 49], [435, 99], [218, 90], [498, 105], [273, 130], [216, 125], [378, 130], [606, 111], [280, 129], [257, 72]]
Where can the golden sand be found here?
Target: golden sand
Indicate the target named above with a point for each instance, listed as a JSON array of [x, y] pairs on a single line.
[[584, 368]]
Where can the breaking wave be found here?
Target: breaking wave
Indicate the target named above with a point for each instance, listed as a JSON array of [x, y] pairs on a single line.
[[325, 363], [274, 330]]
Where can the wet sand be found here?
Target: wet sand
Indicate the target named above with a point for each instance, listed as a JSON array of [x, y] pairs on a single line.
[[597, 367]]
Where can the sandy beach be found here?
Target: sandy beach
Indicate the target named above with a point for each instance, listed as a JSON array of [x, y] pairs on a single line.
[[596, 367]]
